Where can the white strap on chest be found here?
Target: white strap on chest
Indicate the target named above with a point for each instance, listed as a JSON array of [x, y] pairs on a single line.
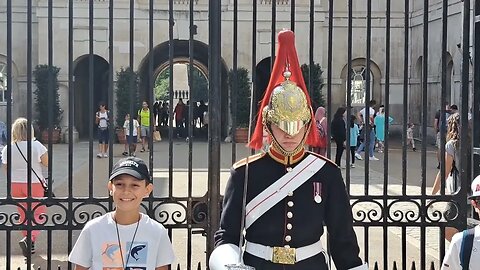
[[280, 188]]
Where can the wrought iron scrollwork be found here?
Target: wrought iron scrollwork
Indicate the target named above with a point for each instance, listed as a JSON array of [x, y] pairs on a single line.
[[405, 210]]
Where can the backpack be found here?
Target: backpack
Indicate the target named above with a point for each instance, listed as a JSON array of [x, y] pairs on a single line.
[[108, 119], [466, 248]]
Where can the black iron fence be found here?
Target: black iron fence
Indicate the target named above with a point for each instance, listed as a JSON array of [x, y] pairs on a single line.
[[382, 50]]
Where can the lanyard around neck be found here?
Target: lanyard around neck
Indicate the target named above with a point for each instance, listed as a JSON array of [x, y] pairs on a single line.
[[131, 243]]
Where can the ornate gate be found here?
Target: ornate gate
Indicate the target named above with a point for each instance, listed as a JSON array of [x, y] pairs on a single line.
[[407, 55]]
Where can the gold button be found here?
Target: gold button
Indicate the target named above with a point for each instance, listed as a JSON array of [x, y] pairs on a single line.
[[289, 214], [290, 193], [290, 204], [288, 238], [289, 226]]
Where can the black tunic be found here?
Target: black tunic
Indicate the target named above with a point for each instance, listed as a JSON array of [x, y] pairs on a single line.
[[307, 222]]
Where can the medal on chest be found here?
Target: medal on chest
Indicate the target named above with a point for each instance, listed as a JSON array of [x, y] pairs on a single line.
[[317, 192]]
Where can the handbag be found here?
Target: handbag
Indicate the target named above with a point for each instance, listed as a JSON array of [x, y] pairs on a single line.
[[156, 136], [43, 182], [451, 183]]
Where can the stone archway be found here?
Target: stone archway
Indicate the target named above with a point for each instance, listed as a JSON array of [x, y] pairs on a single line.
[[81, 72], [181, 54], [263, 71], [415, 95], [450, 83], [376, 76], [16, 95]]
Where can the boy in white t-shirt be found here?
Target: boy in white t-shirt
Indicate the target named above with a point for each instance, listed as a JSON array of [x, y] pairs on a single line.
[[124, 238], [131, 140]]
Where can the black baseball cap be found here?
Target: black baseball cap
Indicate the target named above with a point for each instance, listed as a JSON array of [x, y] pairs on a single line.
[[133, 166]]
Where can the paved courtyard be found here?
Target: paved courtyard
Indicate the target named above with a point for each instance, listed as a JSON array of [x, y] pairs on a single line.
[[99, 172]]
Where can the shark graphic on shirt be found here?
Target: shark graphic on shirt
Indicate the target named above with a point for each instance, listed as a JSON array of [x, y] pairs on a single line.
[[110, 251], [135, 250]]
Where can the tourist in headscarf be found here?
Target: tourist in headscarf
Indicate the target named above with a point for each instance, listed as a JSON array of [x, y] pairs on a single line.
[[321, 124]]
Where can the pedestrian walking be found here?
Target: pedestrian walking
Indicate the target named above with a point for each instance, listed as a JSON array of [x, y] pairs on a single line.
[[339, 133], [367, 119], [144, 121], [452, 181], [156, 111], [410, 139], [440, 125], [321, 124], [180, 118], [19, 175], [131, 142], [102, 119], [379, 123], [354, 132]]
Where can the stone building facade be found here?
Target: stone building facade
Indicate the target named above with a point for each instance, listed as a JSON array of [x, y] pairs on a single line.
[[121, 37]]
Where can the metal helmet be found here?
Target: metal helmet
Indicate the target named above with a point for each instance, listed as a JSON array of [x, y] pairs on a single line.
[[286, 103], [288, 108]]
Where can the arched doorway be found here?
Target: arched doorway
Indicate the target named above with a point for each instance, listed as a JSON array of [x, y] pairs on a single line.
[[82, 92], [262, 77], [450, 81], [359, 85], [415, 96], [195, 96], [181, 55]]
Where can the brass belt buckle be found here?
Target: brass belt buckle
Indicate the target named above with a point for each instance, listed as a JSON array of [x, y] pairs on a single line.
[[283, 255]]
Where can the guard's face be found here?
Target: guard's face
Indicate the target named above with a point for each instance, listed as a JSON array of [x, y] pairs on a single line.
[[287, 142]]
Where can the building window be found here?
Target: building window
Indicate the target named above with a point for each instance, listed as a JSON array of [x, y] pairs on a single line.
[[359, 83], [279, 2], [3, 82]]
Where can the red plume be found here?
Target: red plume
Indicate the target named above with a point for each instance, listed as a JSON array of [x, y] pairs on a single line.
[[286, 55]]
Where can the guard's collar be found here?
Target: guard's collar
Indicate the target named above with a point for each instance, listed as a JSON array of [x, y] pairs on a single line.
[[287, 160]]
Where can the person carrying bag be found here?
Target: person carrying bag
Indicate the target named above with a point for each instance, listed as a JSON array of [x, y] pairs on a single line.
[[21, 188], [42, 181]]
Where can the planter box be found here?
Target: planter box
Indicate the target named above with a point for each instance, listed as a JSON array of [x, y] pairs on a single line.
[[122, 138], [55, 136], [241, 135]]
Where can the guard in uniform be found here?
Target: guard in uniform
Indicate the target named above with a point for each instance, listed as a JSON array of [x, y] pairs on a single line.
[[291, 193]]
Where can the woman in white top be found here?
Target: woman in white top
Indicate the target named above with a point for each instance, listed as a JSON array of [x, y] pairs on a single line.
[[103, 121], [19, 173], [452, 156]]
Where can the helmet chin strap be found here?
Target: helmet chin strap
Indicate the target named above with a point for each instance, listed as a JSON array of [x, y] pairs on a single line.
[[280, 149]]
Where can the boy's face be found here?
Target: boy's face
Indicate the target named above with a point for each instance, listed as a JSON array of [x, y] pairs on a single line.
[[128, 192]]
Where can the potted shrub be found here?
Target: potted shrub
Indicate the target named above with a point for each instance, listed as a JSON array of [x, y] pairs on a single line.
[[242, 108], [46, 81], [317, 83], [127, 82]]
